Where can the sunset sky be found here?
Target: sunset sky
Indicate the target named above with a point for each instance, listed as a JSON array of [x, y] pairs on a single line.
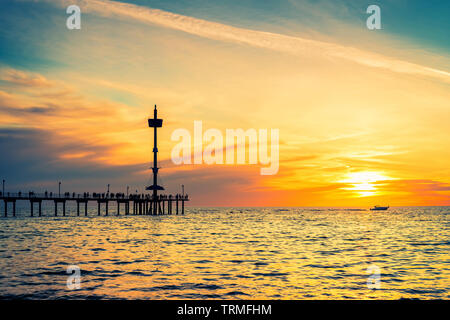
[[363, 115]]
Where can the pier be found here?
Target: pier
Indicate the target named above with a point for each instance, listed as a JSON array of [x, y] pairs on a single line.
[[142, 204]]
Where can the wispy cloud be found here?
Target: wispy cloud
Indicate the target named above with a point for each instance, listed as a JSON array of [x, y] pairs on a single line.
[[267, 40], [21, 78]]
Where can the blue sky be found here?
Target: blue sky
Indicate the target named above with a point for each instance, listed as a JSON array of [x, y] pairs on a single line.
[[424, 23], [29, 28]]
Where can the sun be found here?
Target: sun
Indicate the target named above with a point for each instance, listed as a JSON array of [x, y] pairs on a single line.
[[363, 182]]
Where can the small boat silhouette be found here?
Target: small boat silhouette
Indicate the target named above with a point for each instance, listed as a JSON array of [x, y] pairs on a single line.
[[379, 208]]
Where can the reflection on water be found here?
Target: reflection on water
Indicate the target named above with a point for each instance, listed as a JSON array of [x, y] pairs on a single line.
[[237, 253]]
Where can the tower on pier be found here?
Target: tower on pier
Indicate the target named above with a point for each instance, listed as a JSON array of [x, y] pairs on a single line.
[[155, 123]]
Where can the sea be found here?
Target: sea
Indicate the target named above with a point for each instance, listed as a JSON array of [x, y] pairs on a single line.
[[226, 253]]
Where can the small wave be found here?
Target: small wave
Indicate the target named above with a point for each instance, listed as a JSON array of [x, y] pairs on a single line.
[[123, 262], [446, 243], [424, 291], [139, 273], [236, 293], [207, 286], [202, 261], [51, 273], [271, 274], [236, 261], [322, 266]]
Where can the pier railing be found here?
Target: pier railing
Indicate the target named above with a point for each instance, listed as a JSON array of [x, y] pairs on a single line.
[[88, 195], [143, 204]]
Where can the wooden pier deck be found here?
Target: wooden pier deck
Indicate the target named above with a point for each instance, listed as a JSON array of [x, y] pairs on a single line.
[[142, 204]]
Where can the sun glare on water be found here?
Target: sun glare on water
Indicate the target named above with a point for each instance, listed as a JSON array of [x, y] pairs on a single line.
[[363, 183]]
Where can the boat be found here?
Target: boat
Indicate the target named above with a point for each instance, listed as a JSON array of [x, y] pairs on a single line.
[[375, 208]]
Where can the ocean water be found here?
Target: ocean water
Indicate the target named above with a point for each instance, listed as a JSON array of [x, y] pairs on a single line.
[[228, 253]]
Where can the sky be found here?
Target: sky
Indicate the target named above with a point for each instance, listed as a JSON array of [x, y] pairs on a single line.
[[362, 114]]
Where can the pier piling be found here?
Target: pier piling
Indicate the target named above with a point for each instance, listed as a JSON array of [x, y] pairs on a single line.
[[144, 204]]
